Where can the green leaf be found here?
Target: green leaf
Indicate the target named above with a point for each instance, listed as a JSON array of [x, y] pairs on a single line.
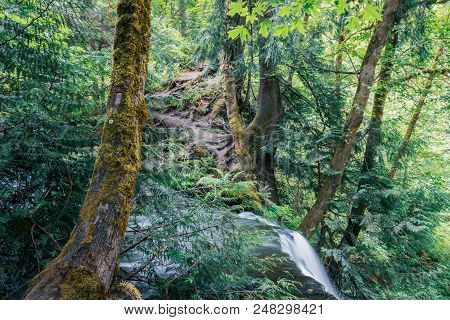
[[240, 31], [17, 19], [285, 11], [237, 8], [264, 27], [353, 23], [244, 12], [281, 31], [371, 13], [315, 9], [259, 8], [209, 181], [299, 25], [342, 6], [251, 19]]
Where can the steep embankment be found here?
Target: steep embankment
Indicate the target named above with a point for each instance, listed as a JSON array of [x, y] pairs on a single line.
[[194, 104]]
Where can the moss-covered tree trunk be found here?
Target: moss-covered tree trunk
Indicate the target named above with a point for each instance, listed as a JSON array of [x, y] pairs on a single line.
[[86, 265], [374, 138], [231, 54], [354, 119], [415, 117], [261, 129]]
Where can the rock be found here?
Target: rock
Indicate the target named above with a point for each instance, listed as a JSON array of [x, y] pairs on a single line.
[[287, 268]]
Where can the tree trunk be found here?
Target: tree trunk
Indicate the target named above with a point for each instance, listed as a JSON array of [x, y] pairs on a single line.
[[86, 265], [415, 117], [261, 129], [354, 120], [183, 17], [374, 138], [234, 117], [232, 51]]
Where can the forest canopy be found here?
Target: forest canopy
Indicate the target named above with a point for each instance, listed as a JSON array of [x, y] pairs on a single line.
[[137, 136]]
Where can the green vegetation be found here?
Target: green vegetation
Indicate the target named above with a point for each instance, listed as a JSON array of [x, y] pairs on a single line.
[[56, 61]]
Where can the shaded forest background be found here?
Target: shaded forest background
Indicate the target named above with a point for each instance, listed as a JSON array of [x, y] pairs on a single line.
[[55, 66]]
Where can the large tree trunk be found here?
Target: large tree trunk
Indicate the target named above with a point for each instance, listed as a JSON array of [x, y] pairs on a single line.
[[354, 119], [415, 117], [374, 138], [231, 53], [261, 129], [86, 265]]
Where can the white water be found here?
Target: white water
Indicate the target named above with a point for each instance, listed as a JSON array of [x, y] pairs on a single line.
[[300, 251]]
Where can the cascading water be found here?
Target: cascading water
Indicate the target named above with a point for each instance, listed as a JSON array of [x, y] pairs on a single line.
[[302, 260], [300, 251]]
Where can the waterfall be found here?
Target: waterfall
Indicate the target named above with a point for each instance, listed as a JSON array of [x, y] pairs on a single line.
[[281, 242], [300, 251]]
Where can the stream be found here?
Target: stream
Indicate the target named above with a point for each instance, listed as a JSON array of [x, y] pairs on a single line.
[[301, 259]]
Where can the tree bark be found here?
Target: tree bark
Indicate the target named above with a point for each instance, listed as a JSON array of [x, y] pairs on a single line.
[[354, 120], [232, 51], [374, 138], [235, 121], [415, 117], [86, 265], [260, 130], [183, 17]]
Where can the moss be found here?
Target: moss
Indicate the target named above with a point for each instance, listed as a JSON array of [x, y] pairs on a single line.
[[200, 95], [119, 156], [48, 271], [90, 234], [80, 284], [121, 221], [171, 101], [129, 289], [218, 106], [237, 125], [200, 151], [118, 159]]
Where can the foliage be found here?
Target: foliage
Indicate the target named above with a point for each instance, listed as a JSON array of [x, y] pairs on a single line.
[[52, 88], [290, 15], [55, 58], [169, 53]]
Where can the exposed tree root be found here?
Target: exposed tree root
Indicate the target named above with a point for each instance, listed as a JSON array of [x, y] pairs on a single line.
[[196, 105]]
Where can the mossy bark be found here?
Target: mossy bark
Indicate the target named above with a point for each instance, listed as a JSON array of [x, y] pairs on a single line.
[[415, 117], [354, 120], [86, 265], [374, 138], [235, 122], [262, 127], [231, 53]]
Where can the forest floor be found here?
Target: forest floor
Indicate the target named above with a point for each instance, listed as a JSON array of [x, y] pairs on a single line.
[[193, 105]]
